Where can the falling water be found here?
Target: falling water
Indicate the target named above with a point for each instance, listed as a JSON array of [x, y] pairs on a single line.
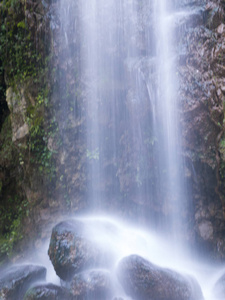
[[169, 159], [99, 73], [127, 65]]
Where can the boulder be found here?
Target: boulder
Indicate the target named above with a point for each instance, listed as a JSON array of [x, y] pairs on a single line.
[[91, 284], [71, 251], [143, 280], [47, 292], [15, 280], [219, 288], [17, 103]]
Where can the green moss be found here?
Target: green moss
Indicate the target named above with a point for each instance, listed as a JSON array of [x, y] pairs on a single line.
[[222, 157], [39, 134], [24, 67], [18, 50], [11, 213], [10, 206], [7, 148]]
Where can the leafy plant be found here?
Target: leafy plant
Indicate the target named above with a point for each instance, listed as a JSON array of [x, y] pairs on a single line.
[[11, 222], [23, 65], [42, 155], [7, 150], [93, 155], [17, 46]]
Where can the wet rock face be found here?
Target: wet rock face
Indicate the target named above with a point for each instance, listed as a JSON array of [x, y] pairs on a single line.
[[201, 96], [19, 100], [145, 281], [70, 250], [47, 292], [15, 281], [4, 110], [93, 284]]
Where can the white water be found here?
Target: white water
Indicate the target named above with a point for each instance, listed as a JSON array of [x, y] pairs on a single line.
[[109, 28], [167, 108], [114, 37], [121, 239]]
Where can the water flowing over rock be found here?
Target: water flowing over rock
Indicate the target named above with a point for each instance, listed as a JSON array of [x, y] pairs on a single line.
[[92, 284], [110, 52], [146, 281], [15, 281], [71, 251], [47, 292], [129, 121]]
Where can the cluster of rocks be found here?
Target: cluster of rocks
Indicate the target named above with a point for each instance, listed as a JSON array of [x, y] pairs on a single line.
[[87, 272]]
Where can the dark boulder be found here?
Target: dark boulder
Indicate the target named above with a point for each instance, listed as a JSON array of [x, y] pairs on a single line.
[[219, 288], [143, 280], [15, 281], [71, 251], [92, 284], [47, 292]]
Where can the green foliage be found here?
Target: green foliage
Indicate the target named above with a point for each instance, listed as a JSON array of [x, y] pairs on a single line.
[[222, 144], [21, 61], [222, 155], [21, 24], [11, 214], [68, 200], [11, 210], [11, 4], [23, 66], [93, 155], [17, 47], [40, 133], [7, 149]]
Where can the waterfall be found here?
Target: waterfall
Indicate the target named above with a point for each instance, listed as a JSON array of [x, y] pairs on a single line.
[[99, 72], [118, 82], [169, 157], [126, 55], [128, 64]]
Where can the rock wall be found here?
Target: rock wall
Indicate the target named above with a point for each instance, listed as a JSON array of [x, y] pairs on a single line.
[[202, 116], [27, 163]]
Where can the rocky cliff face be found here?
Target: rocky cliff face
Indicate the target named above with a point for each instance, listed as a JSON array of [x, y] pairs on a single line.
[[27, 163], [44, 157], [202, 115]]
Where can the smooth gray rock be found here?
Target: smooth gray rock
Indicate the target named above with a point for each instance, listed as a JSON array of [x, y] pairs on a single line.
[[47, 292], [71, 250], [15, 281], [143, 280]]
